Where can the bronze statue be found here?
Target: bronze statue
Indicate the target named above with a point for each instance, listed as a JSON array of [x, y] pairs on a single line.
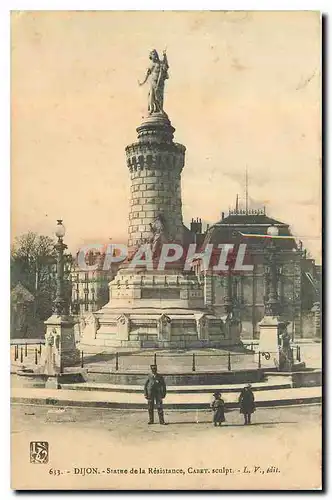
[[158, 73]]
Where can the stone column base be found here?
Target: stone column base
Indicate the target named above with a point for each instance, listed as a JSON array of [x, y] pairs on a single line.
[[269, 329], [60, 349]]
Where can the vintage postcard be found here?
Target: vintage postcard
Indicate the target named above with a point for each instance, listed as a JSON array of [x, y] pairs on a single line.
[[166, 250]]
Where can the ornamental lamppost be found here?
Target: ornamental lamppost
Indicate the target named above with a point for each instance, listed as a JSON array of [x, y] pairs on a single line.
[[272, 305], [274, 341], [229, 293], [232, 321], [60, 347], [60, 303]]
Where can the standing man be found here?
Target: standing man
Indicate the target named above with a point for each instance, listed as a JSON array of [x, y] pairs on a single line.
[[247, 403], [154, 392]]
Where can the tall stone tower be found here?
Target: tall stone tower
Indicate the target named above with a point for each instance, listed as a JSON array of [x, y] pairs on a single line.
[[155, 308], [155, 163]]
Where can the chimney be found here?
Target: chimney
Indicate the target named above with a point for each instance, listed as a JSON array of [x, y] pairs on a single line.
[[222, 215], [193, 226], [196, 226]]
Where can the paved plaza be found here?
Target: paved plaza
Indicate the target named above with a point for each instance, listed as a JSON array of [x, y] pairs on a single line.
[[86, 437]]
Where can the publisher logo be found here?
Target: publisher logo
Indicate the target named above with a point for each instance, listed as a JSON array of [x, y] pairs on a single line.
[[39, 452]]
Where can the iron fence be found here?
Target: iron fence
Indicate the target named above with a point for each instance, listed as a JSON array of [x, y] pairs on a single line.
[[179, 362], [166, 361], [26, 353]]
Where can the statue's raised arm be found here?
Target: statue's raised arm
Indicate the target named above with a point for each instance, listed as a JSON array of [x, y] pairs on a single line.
[[157, 72]]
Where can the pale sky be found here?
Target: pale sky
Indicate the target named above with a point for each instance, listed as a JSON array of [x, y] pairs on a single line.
[[244, 90]]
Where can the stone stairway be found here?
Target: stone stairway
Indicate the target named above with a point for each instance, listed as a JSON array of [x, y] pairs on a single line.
[[173, 400]]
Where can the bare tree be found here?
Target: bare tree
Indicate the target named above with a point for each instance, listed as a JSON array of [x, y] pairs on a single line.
[[33, 264]]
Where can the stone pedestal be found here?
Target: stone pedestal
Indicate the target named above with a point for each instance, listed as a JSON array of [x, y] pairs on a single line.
[[269, 330], [155, 309], [60, 349]]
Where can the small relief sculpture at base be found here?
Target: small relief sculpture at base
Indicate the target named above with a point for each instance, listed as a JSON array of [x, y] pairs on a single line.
[[159, 234]]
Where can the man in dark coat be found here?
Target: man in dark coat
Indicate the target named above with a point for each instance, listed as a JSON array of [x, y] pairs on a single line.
[[247, 403], [154, 392]]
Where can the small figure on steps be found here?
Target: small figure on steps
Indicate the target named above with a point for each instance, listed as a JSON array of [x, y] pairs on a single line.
[[218, 408]]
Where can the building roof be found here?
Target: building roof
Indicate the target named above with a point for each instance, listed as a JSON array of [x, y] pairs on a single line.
[[238, 223], [247, 219]]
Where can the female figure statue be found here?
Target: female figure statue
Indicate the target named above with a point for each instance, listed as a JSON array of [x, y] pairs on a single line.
[[158, 73]]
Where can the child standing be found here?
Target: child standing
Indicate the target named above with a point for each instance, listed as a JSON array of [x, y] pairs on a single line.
[[218, 408]]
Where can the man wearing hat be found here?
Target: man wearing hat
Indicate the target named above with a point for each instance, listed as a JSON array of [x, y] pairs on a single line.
[[247, 403], [154, 392]]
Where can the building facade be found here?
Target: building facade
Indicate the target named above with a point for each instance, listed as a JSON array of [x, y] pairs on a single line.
[[89, 288], [298, 275]]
